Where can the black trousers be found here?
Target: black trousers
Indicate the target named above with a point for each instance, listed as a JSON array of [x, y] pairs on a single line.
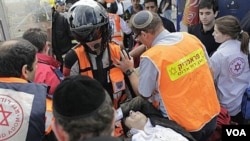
[[238, 118]]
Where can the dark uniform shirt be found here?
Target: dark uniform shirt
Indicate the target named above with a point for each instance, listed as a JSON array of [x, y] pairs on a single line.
[[245, 23], [205, 37], [169, 25]]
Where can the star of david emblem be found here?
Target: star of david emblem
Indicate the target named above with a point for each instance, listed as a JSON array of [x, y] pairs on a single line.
[[4, 116], [173, 71], [237, 67]]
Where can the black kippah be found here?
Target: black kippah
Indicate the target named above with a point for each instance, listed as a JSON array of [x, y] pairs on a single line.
[[78, 96]]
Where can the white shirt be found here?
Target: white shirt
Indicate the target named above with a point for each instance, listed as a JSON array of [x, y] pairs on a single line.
[[157, 133], [231, 75], [124, 27], [119, 8]]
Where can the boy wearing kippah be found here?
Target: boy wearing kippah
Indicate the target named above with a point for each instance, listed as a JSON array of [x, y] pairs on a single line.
[[82, 110]]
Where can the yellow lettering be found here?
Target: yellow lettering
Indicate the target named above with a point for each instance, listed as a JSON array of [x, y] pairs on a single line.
[[186, 64]]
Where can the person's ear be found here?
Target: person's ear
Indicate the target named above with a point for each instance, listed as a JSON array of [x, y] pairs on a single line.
[[60, 134], [47, 48], [146, 35], [143, 33], [25, 72]]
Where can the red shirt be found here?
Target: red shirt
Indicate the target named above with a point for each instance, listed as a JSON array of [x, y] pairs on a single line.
[[45, 71]]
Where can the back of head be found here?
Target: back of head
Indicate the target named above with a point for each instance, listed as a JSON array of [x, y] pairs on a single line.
[[37, 37], [88, 21], [230, 25], [145, 21], [113, 8], [209, 4], [14, 54], [83, 108]]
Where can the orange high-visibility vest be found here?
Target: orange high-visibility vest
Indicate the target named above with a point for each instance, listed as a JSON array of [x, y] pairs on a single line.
[[185, 82], [109, 1], [49, 116], [114, 21], [115, 74]]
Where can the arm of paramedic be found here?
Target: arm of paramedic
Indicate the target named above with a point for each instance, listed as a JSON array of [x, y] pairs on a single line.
[[148, 80], [137, 51], [127, 63], [69, 60]]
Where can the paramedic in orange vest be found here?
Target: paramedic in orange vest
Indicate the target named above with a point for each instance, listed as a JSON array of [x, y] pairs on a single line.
[[174, 74], [94, 56], [22, 102], [118, 25]]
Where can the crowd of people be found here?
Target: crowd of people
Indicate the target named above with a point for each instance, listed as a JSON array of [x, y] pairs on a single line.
[[124, 74]]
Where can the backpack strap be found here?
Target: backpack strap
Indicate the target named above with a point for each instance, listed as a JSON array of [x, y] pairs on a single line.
[[58, 73]]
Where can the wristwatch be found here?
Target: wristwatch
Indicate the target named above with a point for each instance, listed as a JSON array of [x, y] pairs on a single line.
[[129, 72]]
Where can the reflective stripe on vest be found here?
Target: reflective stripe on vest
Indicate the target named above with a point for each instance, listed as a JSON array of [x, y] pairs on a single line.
[[185, 82], [49, 116], [115, 74], [109, 1]]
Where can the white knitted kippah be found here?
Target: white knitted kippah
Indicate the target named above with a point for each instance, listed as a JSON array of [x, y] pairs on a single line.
[[142, 19]]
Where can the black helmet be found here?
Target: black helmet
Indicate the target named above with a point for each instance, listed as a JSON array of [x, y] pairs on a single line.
[[88, 20]]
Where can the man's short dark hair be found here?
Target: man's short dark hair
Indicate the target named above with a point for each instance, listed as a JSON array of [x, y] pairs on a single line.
[[113, 7], [14, 54], [37, 37], [155, 1], [210, 4]]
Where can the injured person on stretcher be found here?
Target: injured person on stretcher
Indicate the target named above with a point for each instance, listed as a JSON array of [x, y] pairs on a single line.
[[142, 122]]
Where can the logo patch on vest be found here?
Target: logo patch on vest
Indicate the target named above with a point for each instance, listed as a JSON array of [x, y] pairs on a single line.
[[14, 114], [236, 66], [11, 117], [186, 64], [118, 86]]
